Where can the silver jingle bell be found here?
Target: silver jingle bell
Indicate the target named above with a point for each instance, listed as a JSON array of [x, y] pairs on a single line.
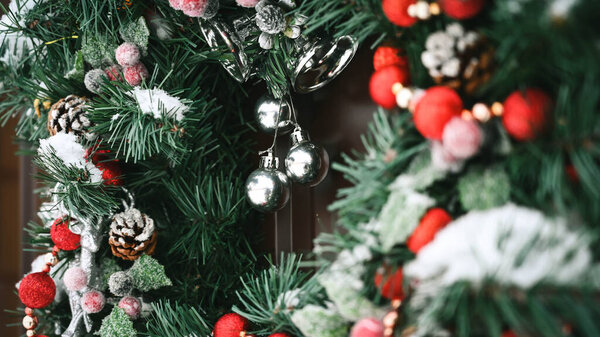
[[321, 62], [267, 189], [306, 163], [269, 110], [220, 37]]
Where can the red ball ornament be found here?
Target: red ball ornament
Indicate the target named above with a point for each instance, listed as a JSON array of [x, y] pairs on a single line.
[[432, 222], [390, 283], [526, 113], [230, 325], [111, 172], [437, 106], [279, 334], [135, 74], [62, 236], [380, 85], [397, 12], [461, 9], [37, 290], [389, 56]]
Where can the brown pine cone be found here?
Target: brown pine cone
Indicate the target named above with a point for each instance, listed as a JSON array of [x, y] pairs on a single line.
[[69, 115], [132, 234]]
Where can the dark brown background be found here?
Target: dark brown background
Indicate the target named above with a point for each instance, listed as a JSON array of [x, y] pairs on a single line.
[[334, 116]]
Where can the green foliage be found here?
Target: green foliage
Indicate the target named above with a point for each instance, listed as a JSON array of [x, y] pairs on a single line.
[[117, 324], [481, 189], [177, 321], [148, 274]]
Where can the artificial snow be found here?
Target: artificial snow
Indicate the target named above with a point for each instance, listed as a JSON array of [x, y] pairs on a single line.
[[71, 153], [510, 245], [158, 103]]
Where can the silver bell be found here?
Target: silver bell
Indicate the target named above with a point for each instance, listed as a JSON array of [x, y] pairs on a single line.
[[322, 61], [274, 114], [306, 163], [219, 36], [267, 189]]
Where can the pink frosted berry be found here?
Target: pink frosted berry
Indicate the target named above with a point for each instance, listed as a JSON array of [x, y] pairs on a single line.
[[128, 54], [367, 327], [176, 4], [75, 278], [247, 3], [134, 75], [131, 305], [194, 8], [92, 301], [114, 72], [462, 138]]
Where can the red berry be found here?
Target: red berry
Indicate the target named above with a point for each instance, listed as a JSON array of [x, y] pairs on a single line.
[[62, 236], [114, 72], [526, 114], [230, 325], [380, 85], [389, 56], [92, 301], [37, 290], [389, 283], [432, 222], [461, 9], [436, 108], [397, 12], [135, 74]]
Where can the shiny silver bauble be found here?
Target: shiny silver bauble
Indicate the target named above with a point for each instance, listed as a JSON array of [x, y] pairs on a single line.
[[306, 163], [269, 110], [267, 189]]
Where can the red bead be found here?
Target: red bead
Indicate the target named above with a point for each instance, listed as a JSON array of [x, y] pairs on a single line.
[[432, 222], [461, 9], [37, 290], [380, 85], [397, 12], [230, 325], [389, 283], [389, 56], [55, 250], [526, 113], [437, 106], [29, 311], [62, 236], [46, 269]]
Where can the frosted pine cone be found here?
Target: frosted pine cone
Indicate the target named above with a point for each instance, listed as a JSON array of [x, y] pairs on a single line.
[[69, 115], [132, 234], [270, 19]]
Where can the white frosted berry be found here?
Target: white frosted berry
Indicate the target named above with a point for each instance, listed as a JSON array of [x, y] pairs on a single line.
[[127, 54]]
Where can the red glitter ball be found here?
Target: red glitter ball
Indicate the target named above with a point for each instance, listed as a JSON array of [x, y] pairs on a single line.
[[389, 283], [436, 108], [389, 56], [230, 325], [62, 236], [397, 12], [37, 290], [431, 223], [461, 9], [526, 113]]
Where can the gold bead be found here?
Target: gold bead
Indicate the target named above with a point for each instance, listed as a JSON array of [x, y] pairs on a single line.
[[29, 322], [497, 109], [50, 259], [466, 115], [30, 333], [396, 87], [434, 8]]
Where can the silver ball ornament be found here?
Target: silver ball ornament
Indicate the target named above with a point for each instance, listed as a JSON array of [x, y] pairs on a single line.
[[267, 189], [306, 163], [269, 110]]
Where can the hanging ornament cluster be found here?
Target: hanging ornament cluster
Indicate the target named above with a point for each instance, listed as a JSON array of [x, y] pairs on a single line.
[[459, 59], [69, 115], [406, 13], [132, 234], [267, 188]]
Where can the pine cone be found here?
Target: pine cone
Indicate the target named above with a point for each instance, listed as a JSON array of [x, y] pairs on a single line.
[[69, 115], [132, 234], [270, 19]]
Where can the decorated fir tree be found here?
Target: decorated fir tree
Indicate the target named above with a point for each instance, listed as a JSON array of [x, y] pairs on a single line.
[[472, 212]]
